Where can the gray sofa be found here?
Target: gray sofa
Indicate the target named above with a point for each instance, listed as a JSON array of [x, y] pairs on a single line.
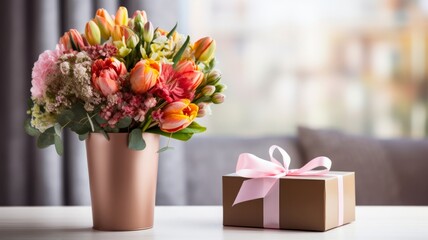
[[388, 172]]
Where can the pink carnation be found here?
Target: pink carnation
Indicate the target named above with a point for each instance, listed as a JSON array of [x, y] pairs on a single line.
[[178, 83], [44, 66]]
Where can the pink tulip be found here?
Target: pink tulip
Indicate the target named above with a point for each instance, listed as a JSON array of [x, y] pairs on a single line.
[[72, 38], [140, 16], [218, 98], [144, 75], [177, 115], [106, 75]]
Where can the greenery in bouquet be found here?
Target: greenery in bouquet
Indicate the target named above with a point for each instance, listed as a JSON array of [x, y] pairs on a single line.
[[123, 75]]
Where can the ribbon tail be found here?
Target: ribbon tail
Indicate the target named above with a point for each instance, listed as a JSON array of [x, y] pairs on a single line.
[[271, 207], [254, 189]]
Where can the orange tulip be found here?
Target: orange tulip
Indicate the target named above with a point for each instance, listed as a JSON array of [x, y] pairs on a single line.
[[204, 49], [104, 14], [117, 33], [104, 22], [177, 115], [121, 17], [144, 75]]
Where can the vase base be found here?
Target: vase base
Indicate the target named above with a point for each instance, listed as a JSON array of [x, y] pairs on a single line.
[[120, 230]]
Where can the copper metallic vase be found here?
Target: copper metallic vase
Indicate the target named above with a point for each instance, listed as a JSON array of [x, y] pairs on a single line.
[[122, 181]]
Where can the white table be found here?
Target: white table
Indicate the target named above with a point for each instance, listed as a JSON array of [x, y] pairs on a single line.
[[204, 222]]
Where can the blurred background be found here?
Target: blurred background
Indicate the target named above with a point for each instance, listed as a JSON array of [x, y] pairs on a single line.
[[358, 66]]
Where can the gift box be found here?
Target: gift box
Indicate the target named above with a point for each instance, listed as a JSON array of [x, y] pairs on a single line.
[[266, 194]]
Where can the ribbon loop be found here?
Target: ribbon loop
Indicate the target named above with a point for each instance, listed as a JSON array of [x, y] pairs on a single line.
[[307, 169], [260, 170], [251, 166]]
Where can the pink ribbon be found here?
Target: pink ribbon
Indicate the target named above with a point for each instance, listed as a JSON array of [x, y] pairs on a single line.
[[264, 180]]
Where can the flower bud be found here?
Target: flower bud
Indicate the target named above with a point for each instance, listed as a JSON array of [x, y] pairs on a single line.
[[204, 49], [220, 87], [122, 49], [104, 14], [131, 23], [121, 17], [148, 32], [104, 26], [72, 40], [217, 98], [92, 33], [140, 16], [213, 77], [130, 37], [204, 109], [117, 33], [208, 90]]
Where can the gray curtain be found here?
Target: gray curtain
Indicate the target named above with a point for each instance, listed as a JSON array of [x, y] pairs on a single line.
[[30, 176]]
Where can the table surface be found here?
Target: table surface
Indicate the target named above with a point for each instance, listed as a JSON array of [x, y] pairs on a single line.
[[205, 222]]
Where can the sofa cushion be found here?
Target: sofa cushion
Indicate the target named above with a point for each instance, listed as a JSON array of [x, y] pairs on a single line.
[[409, 159], [375, 176]]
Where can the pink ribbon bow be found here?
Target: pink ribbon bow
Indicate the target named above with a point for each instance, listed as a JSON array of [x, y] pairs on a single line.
[[264, 179]]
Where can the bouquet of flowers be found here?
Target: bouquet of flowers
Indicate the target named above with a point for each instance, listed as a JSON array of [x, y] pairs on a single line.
[[123, 75]]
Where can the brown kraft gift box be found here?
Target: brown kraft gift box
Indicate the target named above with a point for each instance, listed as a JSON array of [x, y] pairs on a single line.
[[305, 202]]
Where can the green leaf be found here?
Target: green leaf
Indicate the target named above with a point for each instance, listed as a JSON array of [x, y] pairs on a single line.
[[194, 127], [180, 52], [83, 137], [99, 119], [111, 130], [59, 147], [80, 128], [165, 149], [90, 122], [57, 128], [124, 122], [30, 103], [203, 99], [172, 31], [135, 140], [65, 117], [211, 64], [30, 130], [46, 138], [178, 135], [78, 111]]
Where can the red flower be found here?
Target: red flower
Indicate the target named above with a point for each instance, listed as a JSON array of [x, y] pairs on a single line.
[[106, 74], [179, 83]]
